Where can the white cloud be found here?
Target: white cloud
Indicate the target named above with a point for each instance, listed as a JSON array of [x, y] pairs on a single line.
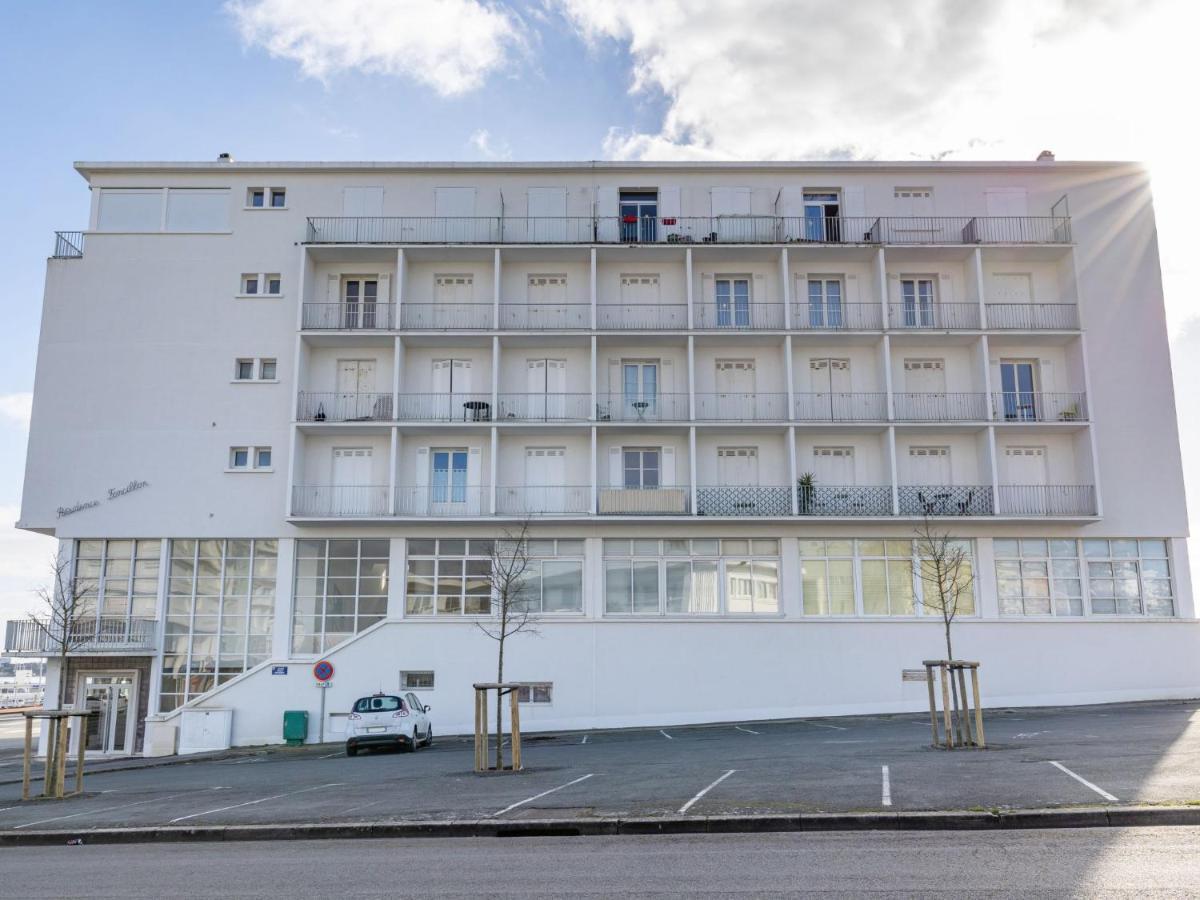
[[25, 564], [489, 147], [448, 45], [16, 408]]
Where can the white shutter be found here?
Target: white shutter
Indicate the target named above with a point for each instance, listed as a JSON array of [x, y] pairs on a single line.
[[1045, 376], [535, 380], [616, 475], [384, 290], [474, 467], [669, 205], [668, 466], [556, 376], [854, 202], [1025, 465], [1011, 287], [708, 289], [758, 290], [1006, 202], [834, 466], [461, 376], [615, 387], [441, 376], [925, 376], [639, 288], [333, 289], [945, 288], [839, 376], [608, 206], [929, 465], [422, 467], [667, 374]]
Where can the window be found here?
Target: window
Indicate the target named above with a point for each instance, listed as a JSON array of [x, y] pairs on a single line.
[[250, 284], [220, 613], [255, 369], [266, 198], [827, 577], [244, 370], [536, 692], [1127, 577], [163, 209], [917, 300], [260, 284], [733, 302], [197, 210], [448, 577], [554, 578], [824, 302], [642, 466], [129, 209], [341, 589], [696, 577], [256, 198], [249, 459], [273, 282], [267, 370], [1038, 577], [416, 681], [117, 581], [278, 198]]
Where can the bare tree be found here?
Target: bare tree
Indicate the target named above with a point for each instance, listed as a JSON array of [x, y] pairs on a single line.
[[60, 620], [512, 612]]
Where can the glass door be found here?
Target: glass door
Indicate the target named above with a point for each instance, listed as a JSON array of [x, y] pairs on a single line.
[[824, 303], [640, 390], [822, 216], [639, 217], [109, 699], [917, 294], [1017, 391], [448, 484], [359, 297], [733, 302]]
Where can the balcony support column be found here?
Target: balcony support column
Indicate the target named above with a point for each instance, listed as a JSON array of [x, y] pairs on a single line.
[[1091, 413], [492, 469], [495, 376], [592, 292], [881, 283], [692, 468], [894, 474], [885, 363], [593, 378], [687, 270], [993, 469], [691, 376], [977, 272], [393, 459], [293, 453], [397, 370], [786, 285], [160, 627], [496, 272], [401, 281], [793, 474], [595, 471], [281, 627], [985, 351], [790, 374]]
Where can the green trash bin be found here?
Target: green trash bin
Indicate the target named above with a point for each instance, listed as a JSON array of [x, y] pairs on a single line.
[[295, 726]]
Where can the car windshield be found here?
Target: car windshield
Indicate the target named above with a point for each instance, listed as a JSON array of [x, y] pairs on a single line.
[[378, 704]]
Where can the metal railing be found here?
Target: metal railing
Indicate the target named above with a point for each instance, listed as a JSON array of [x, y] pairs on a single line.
[[1040, 406], [752, 406], [836, 317], [88, 634], [340, 500], [523, 500], [343, 407], [936, 407], [68, 244], [734, 317], [348, 316], [841, 407], [645, 501], [642, 317], [844, 500], [474, 407], [448, 500], [545, 316], [744, 500], [937, 316], [642, 408], [544, 407], [727, 229], [1047, 500], [446, 316], [937, 500], [1032, 316]]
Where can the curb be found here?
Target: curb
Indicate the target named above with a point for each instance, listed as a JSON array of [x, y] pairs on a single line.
[[1098, 817]]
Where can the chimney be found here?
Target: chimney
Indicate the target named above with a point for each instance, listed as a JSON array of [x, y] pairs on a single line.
[[1046, 156], [228, 157]]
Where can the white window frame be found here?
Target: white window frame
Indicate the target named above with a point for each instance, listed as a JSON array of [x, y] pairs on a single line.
[[405, 674], [252, 452], [525, 695]]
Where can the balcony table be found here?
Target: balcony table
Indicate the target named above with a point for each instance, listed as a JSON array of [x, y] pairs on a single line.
[[477, 411]]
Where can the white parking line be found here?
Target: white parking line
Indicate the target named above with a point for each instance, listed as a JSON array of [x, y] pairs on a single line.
[[819, 725], [1103, 793], [209, 812], [362, 806], [664, 734], [542, 794], [747, 730], [690, 803], [887, 787], [332, 755], [104, 809], [584, 741]]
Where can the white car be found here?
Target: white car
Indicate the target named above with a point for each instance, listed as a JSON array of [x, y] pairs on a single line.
[[388, 720]]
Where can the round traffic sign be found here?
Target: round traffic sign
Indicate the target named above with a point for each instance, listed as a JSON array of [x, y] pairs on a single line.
[[323, 671]]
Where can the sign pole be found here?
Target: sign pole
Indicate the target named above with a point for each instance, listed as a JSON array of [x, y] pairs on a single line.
[[321, 737], [323, 673]]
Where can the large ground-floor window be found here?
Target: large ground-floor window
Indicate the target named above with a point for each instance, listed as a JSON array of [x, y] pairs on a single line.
[[117, 582], [341, 589]]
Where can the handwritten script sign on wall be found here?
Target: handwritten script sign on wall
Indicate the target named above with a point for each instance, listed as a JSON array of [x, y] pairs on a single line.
[[110, 494]]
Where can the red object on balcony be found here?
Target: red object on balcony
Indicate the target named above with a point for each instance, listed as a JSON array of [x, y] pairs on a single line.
[[668, 221], [629, 220]]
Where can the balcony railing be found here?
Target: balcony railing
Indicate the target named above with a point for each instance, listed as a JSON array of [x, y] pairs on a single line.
[[744, 500], [339, 500], [642, 316], [443, 500], [935, 316], [848, 500], [446, 316], [732, 229], [936, 500], [348, 316], [343, 407], [528, 500], [68, 244], [837, 317], [88, 634], [544, 407], [645, 501], [643, 408], [545, 316], [841, 407], [1032, 316], [1040, 406], [1047, 500], [934, 407], [735, 317], [475, 407], [745, 407]]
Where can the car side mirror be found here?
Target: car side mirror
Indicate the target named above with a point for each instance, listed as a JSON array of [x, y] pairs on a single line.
[[427, 709]]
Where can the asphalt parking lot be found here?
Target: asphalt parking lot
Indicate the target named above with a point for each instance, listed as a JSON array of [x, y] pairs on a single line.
[[1117, 754]]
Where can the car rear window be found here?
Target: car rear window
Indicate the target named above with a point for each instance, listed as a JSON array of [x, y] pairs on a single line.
[[378, 704]]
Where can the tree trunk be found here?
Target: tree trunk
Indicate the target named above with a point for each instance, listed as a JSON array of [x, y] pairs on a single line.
[[500, 706]]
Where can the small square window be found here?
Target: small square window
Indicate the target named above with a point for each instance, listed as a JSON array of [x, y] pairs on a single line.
[[267, 370], [245, 370], [256, 197], [239, 457], [278, 198], [262, 458], [249, 284], [274, 284], [416, 681], [535, 693]]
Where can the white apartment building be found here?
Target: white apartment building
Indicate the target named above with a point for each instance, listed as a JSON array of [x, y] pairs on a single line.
[[282, 410]]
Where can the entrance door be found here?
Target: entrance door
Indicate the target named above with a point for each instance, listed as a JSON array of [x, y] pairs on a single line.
[[1018, 391], [639, 217], [735, 389], [359, 297], [111, 700], [355, 389]]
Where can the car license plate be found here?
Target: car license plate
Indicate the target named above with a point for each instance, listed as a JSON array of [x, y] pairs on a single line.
[[376, 728]]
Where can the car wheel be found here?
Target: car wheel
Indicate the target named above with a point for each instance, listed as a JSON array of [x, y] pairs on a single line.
[[429, 737], [351, 751]]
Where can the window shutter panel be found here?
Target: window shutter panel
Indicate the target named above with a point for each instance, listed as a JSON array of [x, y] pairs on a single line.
[[441, 376], [474, 460], [616, 476], [556, 376], [333, 288], [668, 377], [854, 201], [1046, 376], [462, 376], [945, 288], [614, 377], [607, 210], [385, 289], [668, 466], [708, 288], [669, 203], [535, 376], [758, 290], [422, 467]]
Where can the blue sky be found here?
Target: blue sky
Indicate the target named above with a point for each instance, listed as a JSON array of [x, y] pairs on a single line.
[[571, 79]]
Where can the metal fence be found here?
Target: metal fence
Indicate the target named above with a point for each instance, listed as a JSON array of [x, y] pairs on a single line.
[[937, 500], [343, 407], [1047, 500], [841, 407], [348, 316], [68, 244], [544, 407], [545, 316], [734, 316], [339, 500], [751, 406], [1032, 316], [642, 408], [474, 407], [1040, 406], [744, 500], [937, 316], [642, 317], [837, 317], [847, 500], [88, 634], [937, 407], [543, 500], [446, 316]]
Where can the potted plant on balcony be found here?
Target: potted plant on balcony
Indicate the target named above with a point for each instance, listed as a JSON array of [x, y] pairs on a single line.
[[1070, 414], [805, 489]]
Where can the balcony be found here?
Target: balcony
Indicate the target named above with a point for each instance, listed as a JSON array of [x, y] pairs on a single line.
[[731, 229], [446, 316], [744, 500], [544, 407], [343, 407], [339, 500], [443, 500], [934, 316], [837, 317], [745, 407], [937, 500], [1039, 406], [1032, 316], [935, 407], [646, 501], [643, 408], [841, 407], [475, 407], [68, 245], [348, 316], [738, 317], [642, 317], [1047, 500], [530, 500], [106, 634], [848, 500], [545, 316]]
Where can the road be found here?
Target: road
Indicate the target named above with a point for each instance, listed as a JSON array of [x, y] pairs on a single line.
[[1086, 862]]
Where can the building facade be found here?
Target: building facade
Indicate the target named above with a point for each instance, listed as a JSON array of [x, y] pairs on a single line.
[[283, 412]]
